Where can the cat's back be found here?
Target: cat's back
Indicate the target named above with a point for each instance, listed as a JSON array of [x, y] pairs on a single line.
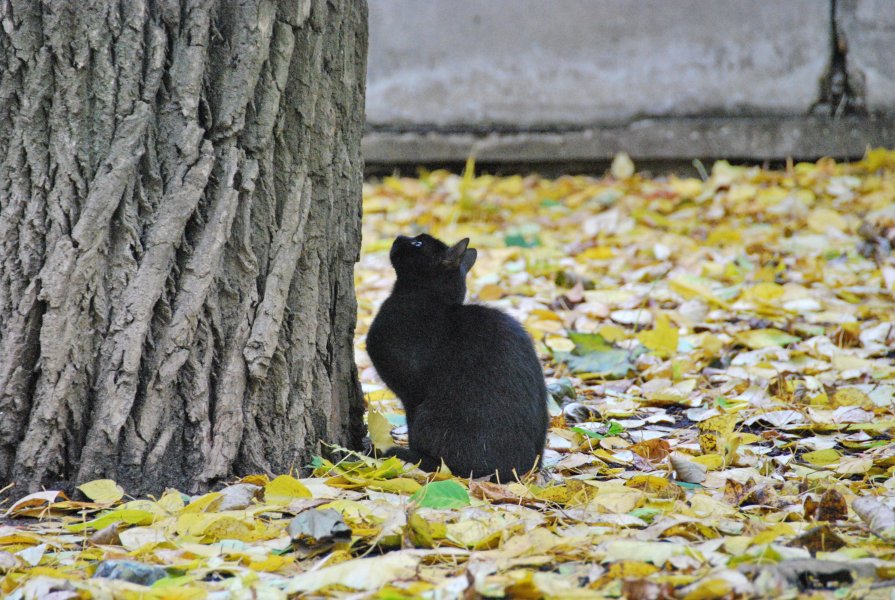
[[488, 393], [490, 327], [496, 348]]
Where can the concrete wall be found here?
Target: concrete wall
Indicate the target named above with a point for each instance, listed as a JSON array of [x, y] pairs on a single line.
[[586, 78], [866, 30]]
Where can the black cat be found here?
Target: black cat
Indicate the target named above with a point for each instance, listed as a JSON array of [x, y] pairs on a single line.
[[468, 375]]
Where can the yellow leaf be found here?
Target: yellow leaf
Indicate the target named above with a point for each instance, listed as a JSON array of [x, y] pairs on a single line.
[[772, 533], [171, 501], [598, 253], [135, 538], [851, 397], [520, 490], [648, 483], [272, 562], [174, 591], [770, 197], [656, 553], [613, 333], [723, 424], [559, 344], [702, 505], [284, 489], [380, 430], [622, 166], [478, 534], [127, 515], [685, 188], [547, 315], [845, 362], [741, 193], [823, 219], [767, 292], [491, 292], [357, 574], [878, 158], [557, 493], [710, 442], [425, 532], [723, 236], [712, 462], [259, 480], [617, 499], [216, 526], [690, 287], [662, 339], [765, 338], [629, 569], [375, 396], [821, 458], [854, 465], [104, 491], [396, 485], [466, 183], [202, 503], [710, 589], [39, 571]]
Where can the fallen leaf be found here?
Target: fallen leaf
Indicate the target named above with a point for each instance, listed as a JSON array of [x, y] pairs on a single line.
[[686, 470], [103, 491], [284, 489], [359, 574]]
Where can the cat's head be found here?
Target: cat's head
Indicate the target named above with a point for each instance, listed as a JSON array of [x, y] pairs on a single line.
[[427, 263]]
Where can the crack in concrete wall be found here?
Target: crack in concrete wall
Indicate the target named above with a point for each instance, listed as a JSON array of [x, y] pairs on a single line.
[[842, 90]]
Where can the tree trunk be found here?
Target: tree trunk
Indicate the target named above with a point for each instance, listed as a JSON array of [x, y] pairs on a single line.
[[179, 219]]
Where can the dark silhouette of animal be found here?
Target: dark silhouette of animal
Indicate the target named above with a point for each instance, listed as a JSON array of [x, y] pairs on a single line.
[[468, 375]]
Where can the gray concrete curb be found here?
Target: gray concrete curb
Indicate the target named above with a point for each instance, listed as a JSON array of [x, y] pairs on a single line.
[[765, 138]]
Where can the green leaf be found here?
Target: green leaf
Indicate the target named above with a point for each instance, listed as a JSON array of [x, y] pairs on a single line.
[[647, 514], [610, 363], [588, 433], [441, 494], [688, 486], [585, 343], [127, 515], [615, 428], [523, 241]]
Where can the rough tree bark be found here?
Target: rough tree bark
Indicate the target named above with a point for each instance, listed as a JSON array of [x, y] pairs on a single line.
[[180, 190]]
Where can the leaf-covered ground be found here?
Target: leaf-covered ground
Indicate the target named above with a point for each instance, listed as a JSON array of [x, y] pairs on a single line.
[[721, 355]]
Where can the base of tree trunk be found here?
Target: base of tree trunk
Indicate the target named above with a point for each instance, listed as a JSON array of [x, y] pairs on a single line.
[[180, 205]]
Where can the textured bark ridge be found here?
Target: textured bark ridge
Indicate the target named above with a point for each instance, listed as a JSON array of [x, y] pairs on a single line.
[[179, 219]]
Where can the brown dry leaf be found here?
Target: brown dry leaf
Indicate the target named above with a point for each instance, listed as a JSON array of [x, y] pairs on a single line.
[[655, 449], [819, 539], [832, 507]]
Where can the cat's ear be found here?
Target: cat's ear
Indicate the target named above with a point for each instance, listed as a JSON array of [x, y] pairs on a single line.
[[468, 260], [454, 255]]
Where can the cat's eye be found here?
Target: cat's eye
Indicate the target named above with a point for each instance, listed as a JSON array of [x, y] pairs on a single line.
[[416, 243]]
